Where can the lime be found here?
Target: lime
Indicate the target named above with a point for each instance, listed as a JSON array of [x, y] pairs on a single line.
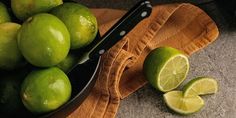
[[166, 68], [4, 15], [23, 9], [182, 105], [45, 90], [68, 63], [10, 56], [200, 86], [10, 101], [81, 23], [44, 40]]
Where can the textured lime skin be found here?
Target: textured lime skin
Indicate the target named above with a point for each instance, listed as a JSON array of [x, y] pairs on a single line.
[[4, 15], [45, 90], [23, 9], [10, 55], [154, 63], [81, 23], [44, 40], [68, 63]]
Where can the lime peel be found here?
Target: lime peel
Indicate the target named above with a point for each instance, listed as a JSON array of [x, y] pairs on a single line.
[[166, 68]]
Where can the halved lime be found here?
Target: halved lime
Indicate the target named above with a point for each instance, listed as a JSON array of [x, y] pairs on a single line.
[[200, 86], [166, 68], [183, 105]]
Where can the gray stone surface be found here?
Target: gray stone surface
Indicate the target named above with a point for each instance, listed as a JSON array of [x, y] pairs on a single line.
[[217, 60]]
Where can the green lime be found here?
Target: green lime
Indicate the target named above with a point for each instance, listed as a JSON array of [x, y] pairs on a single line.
[[4, 15], [182, 105], [166, 68], [68, 62], [10, 55], [23, 9], [45, 90], [44, 40], [200, 86], [81, 23], [10, 101]]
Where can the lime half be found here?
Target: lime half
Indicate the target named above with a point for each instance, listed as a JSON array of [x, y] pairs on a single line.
[[183, 105], [200, 86], [166, 68]]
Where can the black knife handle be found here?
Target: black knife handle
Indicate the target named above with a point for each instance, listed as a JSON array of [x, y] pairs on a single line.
[[139, 12]]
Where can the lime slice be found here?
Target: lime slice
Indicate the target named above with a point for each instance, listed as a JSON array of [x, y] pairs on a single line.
[[166, 68], [200, 86], [183, 105]]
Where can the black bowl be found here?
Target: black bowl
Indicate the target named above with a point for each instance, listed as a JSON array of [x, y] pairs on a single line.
[[81, 84], [81, 87], [83, 75]]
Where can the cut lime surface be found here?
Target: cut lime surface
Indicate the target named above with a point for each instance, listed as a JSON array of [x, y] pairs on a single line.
[[200, 86], [183, 105], [166, 68]]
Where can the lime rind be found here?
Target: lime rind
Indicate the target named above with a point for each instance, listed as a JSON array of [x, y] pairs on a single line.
[[185, 106], [80, 21], [200, 86], [23, 9], [179, 77], [56, 90], [156, 61], [4, 15]]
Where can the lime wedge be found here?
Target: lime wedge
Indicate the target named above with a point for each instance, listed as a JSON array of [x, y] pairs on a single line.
[[183, 105], [200, 86], [166, 68]]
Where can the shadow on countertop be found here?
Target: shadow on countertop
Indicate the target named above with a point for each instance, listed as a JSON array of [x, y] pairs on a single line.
[[222, 12]]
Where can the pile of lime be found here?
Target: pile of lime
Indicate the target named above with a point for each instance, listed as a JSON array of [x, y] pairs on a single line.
[[166, 68], [42, 37]]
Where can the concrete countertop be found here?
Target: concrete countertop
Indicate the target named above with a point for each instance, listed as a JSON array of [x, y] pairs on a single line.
[[217, 60]]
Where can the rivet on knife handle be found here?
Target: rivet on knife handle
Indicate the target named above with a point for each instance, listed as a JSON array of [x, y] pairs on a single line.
[[139, 12]]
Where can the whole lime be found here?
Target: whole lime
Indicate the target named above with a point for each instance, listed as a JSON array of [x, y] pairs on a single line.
[[44, 40], [10, 101], [81, 23], [23, 9], [45, 90], [4, 15], [68, 62], [10, 56]]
